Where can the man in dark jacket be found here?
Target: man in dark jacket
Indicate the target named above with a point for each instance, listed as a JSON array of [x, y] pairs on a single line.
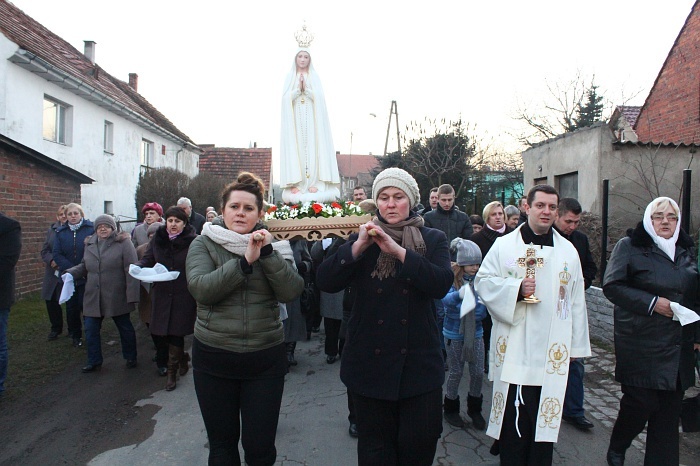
[[432, 202], [568, 220], [522, 205], [447, 218], [10, 248], [455, 224], [195, 219]]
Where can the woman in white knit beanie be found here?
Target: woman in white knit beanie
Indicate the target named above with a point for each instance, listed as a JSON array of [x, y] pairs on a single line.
[[392, 363]]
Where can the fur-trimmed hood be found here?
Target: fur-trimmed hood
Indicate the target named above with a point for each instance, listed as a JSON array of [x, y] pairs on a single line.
[[641, 238]]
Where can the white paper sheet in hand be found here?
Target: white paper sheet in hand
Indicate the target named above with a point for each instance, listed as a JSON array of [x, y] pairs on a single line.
[[68, 288], [157, 273], [684, 315]]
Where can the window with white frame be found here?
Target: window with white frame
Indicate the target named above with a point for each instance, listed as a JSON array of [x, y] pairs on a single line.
[[147, 149], [57, 121], [109, 137]]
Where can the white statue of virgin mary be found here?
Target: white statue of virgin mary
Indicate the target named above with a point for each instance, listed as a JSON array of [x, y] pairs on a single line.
[[308, 166]]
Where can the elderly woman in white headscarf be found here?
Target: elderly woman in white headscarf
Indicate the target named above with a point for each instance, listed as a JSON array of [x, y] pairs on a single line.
[[309, 169], [651, 275]]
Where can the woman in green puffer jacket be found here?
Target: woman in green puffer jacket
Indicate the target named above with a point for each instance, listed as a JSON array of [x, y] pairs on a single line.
[[239, 277]]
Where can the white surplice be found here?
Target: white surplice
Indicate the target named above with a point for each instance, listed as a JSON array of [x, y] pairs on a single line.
[[531, 343]]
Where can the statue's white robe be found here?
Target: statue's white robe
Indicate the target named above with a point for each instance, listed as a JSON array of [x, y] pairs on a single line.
[[307, 154], [531, 343]]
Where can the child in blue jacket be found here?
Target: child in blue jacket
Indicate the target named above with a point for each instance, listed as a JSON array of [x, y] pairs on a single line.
[[464, 333]]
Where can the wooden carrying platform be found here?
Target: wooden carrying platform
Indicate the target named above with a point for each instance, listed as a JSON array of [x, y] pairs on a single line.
[[316, 228]]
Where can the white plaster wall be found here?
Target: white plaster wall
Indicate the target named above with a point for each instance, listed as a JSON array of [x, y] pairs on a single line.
[[580, 152], [116, 175], [629, 168]]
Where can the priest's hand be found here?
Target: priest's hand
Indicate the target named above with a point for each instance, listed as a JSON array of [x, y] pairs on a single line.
[[663, 307], [527, 287]]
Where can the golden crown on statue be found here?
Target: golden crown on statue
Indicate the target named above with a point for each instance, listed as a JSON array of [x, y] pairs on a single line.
[[304, 37], [564, 276]]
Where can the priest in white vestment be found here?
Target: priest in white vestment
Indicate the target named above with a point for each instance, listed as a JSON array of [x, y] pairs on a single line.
[[308, 164], [531, 343]]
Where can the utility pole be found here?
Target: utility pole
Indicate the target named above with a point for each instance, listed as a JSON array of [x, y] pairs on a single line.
[[393, 111]]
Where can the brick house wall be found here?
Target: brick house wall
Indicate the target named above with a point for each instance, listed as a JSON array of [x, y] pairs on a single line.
[[31, 193], [671, 113]]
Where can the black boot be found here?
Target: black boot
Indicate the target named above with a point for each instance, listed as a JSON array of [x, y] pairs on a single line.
[[175, 355], [451, 412], [291, 346], [614, 458], [474, 411]]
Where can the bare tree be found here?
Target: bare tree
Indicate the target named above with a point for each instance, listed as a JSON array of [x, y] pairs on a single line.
[[562, 109], [650, 172], [443, 152]]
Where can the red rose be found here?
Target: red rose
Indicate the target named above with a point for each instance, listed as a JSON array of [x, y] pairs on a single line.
[[335, 205], [271, 209], [317, 208]]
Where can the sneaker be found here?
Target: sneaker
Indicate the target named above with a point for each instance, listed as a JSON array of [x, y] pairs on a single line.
[[77, 342], [53, 335]]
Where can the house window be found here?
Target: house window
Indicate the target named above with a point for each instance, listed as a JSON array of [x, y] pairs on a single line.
[[109, 137], [351, 183], [567, 185], [540, 181], [109, 207], [147, 149], [57, 116]]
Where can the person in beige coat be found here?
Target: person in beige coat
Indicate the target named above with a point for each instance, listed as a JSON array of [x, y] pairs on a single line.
[[110, 291]]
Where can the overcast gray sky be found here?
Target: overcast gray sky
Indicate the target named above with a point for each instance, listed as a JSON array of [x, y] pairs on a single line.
[[216, 68]]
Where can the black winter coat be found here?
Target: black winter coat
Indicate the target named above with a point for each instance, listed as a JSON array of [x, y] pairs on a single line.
[[173, 309], [392, 347], [51, 282], [652, 350], [486, 237], [10, 248], [588, 265], [453, 222]]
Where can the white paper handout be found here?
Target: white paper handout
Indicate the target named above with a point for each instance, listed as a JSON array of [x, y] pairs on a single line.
[[68, 288], [684, 315], [157, 273]]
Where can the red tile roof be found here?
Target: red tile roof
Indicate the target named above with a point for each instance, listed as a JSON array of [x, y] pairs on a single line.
[[31, 36], [230, 161], [350, 165]]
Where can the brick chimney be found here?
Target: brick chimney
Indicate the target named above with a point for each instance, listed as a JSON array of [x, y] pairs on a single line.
[[134, 81], [90, 50]]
